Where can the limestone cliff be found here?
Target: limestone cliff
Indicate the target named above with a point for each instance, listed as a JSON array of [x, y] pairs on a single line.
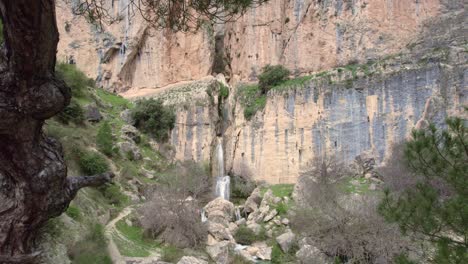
[[342, 112], [304, 35]]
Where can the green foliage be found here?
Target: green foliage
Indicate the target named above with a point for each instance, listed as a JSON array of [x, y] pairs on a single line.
[[272, 76], [114, 195], [92, 249], [153, 118], [74, 78], [223, 91], [279, 257], [280, 190], [251, 99], [241, 188], [282, 208], [437, 207], [91, 162], [104, 139], [134, 244], [245, 235], [73, 212], [72, 113], [171, 254]]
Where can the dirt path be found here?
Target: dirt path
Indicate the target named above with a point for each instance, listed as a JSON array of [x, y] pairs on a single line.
[[114, 253], [112, 248]]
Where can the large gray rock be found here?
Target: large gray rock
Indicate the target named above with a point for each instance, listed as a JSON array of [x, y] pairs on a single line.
[[126, 116], [219, 252], [131, 132], [252, 203], [129, 149], [92, 113], [220, 211], [286, 240], [308, 254], [191, 260], [218, 231]]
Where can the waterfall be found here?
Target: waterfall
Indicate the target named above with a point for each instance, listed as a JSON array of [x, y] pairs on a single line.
[[238, 214], [223, 182], [203, 216]]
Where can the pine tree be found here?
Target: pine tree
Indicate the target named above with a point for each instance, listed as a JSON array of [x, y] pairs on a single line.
[[436, 208]]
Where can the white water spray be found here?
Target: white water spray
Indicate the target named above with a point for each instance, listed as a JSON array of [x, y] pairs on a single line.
[[223, 182]]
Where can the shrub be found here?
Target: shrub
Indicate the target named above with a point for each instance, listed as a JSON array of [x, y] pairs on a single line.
[[348, 229], [251, 99], [242, 187], [271, 76], [73, 212], [72, 113], [171, 254], [104, 139], [74, 78], [153, 118], [91, 163], [245, 235], [114, 195], [92, 249], [235, 258]]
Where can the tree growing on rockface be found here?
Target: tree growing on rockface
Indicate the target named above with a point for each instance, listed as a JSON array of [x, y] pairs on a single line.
[[34, 186], [436, 207]]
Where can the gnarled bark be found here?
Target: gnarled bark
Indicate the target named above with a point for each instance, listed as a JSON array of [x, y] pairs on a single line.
[[33, 175]]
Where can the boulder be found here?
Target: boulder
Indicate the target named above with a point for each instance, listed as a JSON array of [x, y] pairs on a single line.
[[263, 250], [308, 254], [252, 203], [92, 113], [270, 215], [191, 260], [126, 116], [129, 149], [285, 221], [218, 231], [131, 132], [256, 228], [220, 211], [286, 240], [219, 252], [241, 221]]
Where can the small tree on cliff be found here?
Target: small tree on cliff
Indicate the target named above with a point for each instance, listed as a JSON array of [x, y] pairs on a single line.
[[437, 207], [34, 186]]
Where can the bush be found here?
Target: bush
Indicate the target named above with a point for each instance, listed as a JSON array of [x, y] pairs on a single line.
[[114, 195], [153, 118], [245, 235], [74, 78], [251, 99], [72, 113], [92, 249], [242, 187], [171, 254], [104, 139], [91, 163], [235, 258], [271, 76], [279, 257], [73, 212]]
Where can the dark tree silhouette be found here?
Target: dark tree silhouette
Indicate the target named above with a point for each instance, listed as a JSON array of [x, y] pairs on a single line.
[[33, 175]]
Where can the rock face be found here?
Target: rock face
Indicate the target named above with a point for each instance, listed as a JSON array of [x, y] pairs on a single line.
[[286, 240], [305, 36], [343, 111]]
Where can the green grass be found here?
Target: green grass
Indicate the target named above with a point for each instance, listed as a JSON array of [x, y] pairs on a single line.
[[74, 212], [361, 188], [171, 254], [133, 243], [280, 190], [92, 249], [113, 99]]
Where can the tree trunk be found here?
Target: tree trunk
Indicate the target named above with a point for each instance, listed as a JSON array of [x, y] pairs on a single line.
[[33, 175]]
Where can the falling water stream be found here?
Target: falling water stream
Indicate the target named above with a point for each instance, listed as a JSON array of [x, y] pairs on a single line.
[[223, 182]]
